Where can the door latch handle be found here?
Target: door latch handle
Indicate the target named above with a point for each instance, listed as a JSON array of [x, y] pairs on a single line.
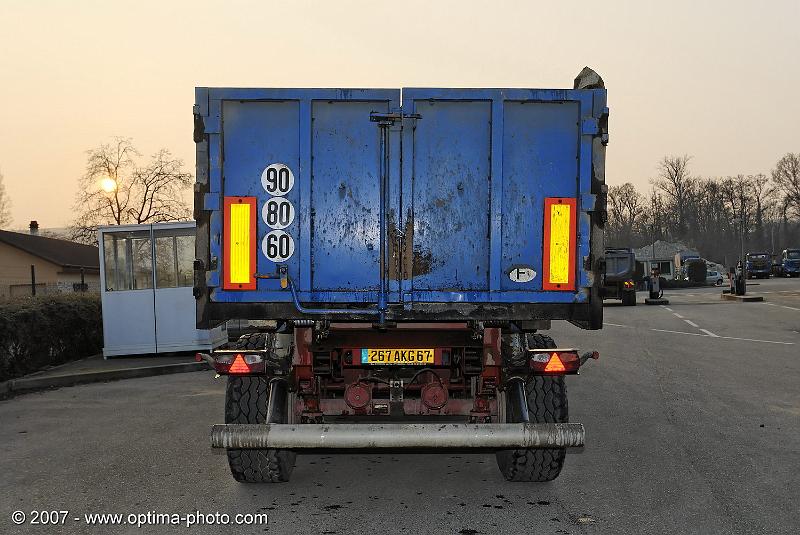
[[392, 117]]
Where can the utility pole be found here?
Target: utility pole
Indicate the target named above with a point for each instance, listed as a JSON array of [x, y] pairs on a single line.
[[771, 238], [653, 235], [741, 228]]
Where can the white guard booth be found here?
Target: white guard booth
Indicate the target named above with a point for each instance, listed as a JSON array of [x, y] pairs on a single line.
[[146, 277]]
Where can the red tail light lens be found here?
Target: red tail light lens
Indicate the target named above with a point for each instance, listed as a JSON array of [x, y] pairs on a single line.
[[554, 362], [239, 365]]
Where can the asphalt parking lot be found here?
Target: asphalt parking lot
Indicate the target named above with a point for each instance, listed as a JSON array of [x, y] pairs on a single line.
[[692, 416]]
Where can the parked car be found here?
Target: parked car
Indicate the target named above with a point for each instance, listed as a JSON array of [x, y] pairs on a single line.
[[714, 277]]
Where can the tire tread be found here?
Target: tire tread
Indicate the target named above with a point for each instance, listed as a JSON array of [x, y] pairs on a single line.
[[246, 401], [547, 403]]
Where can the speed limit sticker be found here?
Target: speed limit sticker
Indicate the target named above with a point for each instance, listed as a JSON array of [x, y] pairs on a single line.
[[277, 179], [277, 246], [278, 213]]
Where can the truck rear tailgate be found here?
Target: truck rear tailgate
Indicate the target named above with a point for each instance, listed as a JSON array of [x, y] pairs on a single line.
[[479, 199]]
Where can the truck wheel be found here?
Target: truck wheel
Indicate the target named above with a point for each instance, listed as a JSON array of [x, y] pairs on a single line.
[[246, 401], [547, 403], [629, 299]]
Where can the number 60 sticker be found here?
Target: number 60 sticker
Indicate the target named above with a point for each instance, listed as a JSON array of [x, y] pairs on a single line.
[[277, 246]]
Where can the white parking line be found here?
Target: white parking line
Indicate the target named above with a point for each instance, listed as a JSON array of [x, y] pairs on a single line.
[[678, 315], [754, 340], [724, 337], [677, 332], [667, 308], [771, 304], [615, 325], [709, 333], [693, 324], [790, 308]]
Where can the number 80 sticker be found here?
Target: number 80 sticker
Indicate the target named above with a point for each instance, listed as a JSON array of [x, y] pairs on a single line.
[[277, 246], [278, 213]]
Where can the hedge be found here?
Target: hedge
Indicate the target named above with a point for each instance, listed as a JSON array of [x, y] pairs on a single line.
[[47, 330]]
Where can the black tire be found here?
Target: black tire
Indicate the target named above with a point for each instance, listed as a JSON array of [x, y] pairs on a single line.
[[629, 299], [246, 401], [547, 403]]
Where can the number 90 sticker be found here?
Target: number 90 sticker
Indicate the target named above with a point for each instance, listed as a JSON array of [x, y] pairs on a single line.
[[277, 179], [278, 213], [277, 246]]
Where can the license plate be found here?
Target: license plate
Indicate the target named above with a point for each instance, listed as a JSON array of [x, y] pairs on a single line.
[[397, 356]]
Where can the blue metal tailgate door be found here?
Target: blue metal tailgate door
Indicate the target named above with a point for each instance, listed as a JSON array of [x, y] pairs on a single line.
[[477, 167], [333, 152]]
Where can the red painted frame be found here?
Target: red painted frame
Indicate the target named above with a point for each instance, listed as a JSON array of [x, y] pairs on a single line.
[[226, 267], [573, 204]]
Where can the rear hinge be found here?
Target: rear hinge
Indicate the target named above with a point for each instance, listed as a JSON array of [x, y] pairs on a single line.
[[596, 126], [199, 125]]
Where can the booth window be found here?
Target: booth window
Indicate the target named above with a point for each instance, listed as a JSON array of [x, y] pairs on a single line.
[[174, 257], [128, 261]]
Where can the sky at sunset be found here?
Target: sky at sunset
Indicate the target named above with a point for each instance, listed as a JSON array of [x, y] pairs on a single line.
[[718, 80]]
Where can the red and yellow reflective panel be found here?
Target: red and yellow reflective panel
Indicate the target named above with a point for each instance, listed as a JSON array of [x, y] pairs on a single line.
[[558, 262], [239, 247]]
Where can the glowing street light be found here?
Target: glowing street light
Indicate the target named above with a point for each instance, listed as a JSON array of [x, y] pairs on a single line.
[[109, 185]]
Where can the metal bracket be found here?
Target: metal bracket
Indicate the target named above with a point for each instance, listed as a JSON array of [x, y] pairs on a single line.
[[396, 391], [391, 117]]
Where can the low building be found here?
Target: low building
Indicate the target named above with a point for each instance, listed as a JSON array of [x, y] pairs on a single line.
[[662, 254], [52, 265]]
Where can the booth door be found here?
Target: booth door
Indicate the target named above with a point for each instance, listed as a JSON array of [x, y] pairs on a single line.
[[128, 298], [174, 302]]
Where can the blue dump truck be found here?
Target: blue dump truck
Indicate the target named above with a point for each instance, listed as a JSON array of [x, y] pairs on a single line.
[[758, 265], [788, 264], [400, 253]]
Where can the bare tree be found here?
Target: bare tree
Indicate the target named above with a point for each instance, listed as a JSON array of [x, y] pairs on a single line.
[[710, 230], [720, 217], [115, 190], [786, 176], [762, 197], [5, 205], [675, 181], [625, 213]]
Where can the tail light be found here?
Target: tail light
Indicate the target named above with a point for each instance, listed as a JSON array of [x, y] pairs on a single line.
[[558, 260], [628, 284], [239, 247], [239, 363], [555, 362]]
